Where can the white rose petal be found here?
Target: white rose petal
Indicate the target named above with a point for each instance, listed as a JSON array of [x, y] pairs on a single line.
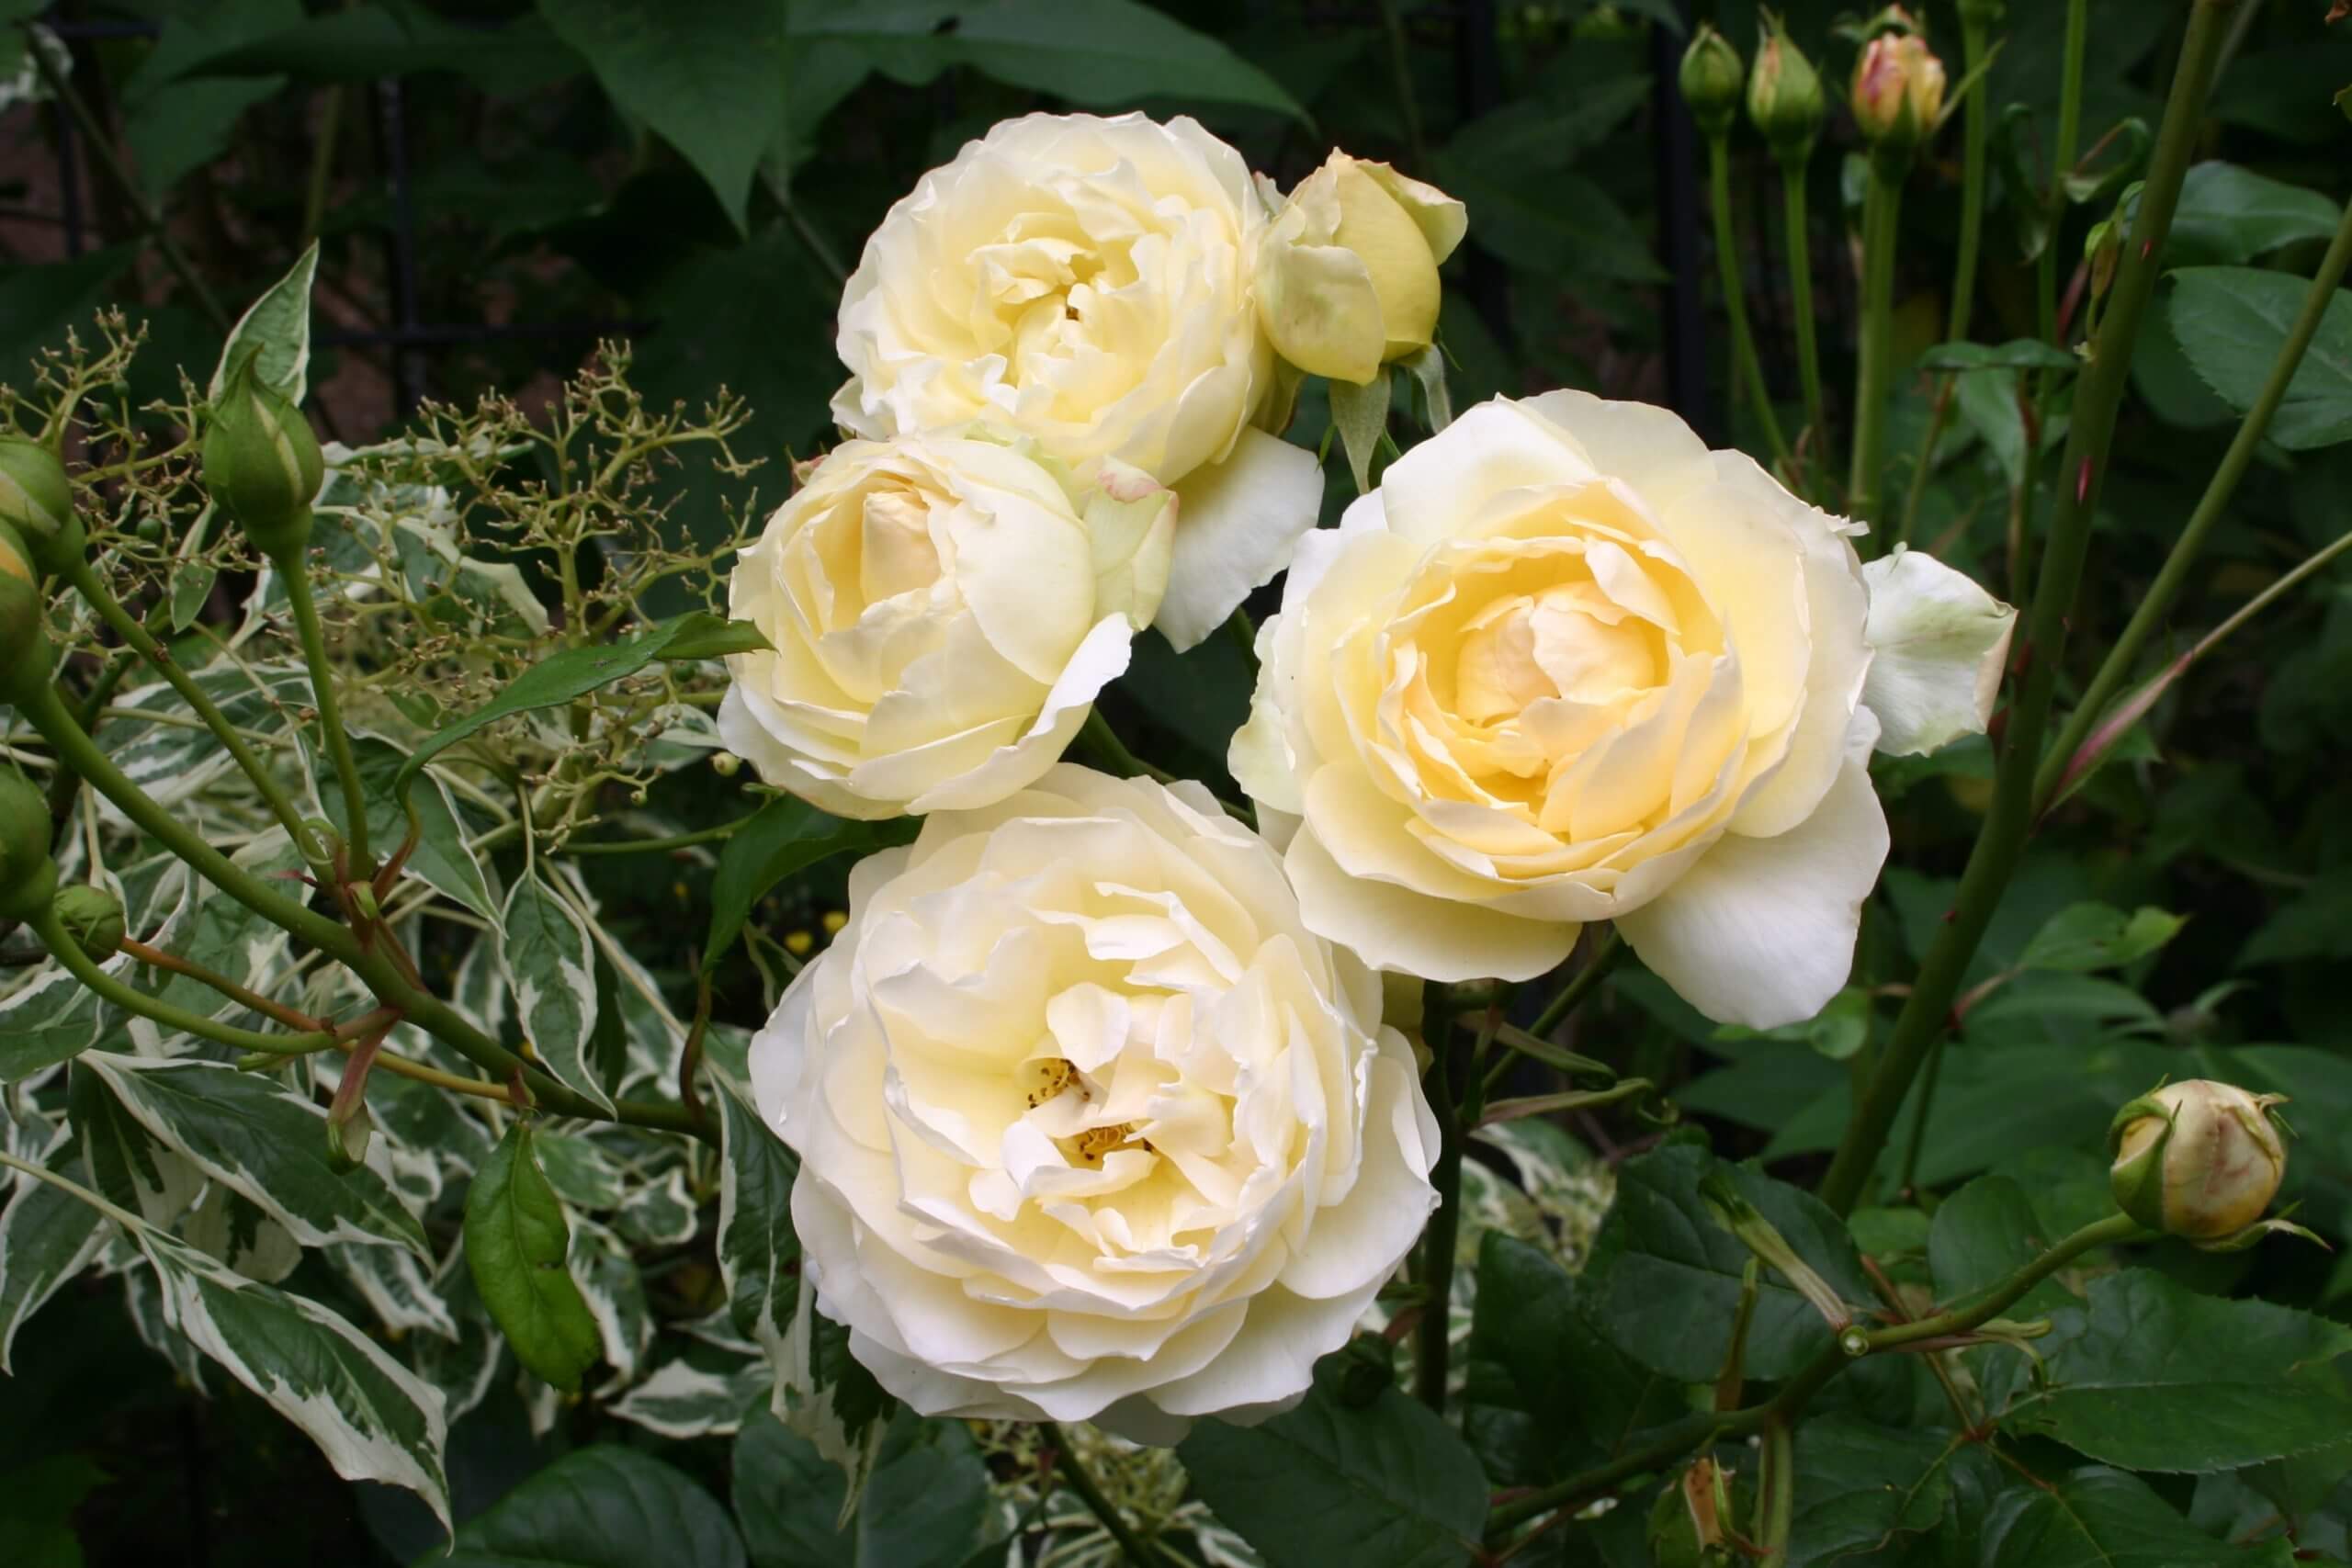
[[1568, 665], [1092, 1125], [941, 614], [1939, 642]]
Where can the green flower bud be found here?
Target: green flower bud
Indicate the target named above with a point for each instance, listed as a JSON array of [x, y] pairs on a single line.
[[1688, 1522], [28, 876], [1713, 76], [1784, 99], [2197, 1159], [263, 465], [36, 499], [1898, 92], [93, 918], [24, 628]]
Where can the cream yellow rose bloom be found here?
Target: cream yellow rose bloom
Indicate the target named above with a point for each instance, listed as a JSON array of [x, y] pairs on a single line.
[[1085, 283], [1091, 1127], [1347, 278], [941, 611], [1565, 664]]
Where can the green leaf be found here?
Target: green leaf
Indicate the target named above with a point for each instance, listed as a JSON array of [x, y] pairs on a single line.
[[1980, 1235], [2019, 353], [1103, 54], [48, 1019], [1388, 1482], [550, 961], [923, 1507], [1660, 1244], [2083, 937], [38, 1501], [701, 635], [38, 303], [2231, 321], [2229, 215], [759, 1252], [598, 1507], [516, 1242], [708, 75], [47, 1235], [275, 328], [559, 678], [372, 1418], [261, 1140], [2097, 1518], [2150, 1376], [1545, 1395], [784, 836], [1538, 135], [366, 42], [1860, 1484], [441, 859]]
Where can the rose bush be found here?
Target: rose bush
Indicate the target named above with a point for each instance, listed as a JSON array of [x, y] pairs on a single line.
[[1091, 1125], [940, 612], [1565, 664], [1085, 282]]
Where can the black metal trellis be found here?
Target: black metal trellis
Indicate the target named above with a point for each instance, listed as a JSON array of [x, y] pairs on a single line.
[[1477, 74]]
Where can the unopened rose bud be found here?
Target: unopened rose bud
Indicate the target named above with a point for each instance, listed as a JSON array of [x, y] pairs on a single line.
[[1784, 98], [93, 918], [1347, 276], [2198, 1159], [27, 876], [1688, 1522], [1898, 92], [263, 465], [37, 502], [1713, 76], [24, 630]]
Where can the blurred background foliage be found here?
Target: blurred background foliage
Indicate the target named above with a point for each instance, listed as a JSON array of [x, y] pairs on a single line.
[[495, 186]]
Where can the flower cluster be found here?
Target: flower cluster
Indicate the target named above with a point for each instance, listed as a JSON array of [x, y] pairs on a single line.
[[1097, 1112]]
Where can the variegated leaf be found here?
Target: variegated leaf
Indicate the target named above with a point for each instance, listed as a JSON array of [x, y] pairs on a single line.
[[396, 1286], [47, 1236], [550, 968], [701, 1393]]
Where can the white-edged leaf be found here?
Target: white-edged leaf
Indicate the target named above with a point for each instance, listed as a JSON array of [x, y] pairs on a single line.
[[47, 1236], [658, 1214], [128, 1165], [702, 1394], [441, 860], [759, 1252], [49, 1018], [373, 1418], [231, 1229], [608, 1281], [465, 1368], [548, 958], [394, 1284], [143, 1299], [255, 1136], [582, 1172], [277, 328], [174, 761]]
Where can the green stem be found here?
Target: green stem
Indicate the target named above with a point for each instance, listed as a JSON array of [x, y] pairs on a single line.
[[67, 784], [1799, 239], [1076, 1477], [54, 936], [314, 196], [1746, 366], [1400, 70], [1910, 1175], [295, 569], [87, 583], [1097, 735], [2070, 91], [123, 1217], [1433, 1346], [1882, 210], [655, 846], [2098, 396], [1604, 958], [1671, 1442], [2157, 602], [1976, 128], [1779, 1484], [149, 220]]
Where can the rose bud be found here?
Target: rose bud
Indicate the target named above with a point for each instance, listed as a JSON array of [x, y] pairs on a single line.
[[1347, 278], [93, 918], [2197, 1159], [1784, 99], [27, 876], [1898, 92], [1712, 75], [24, 633], [35, 500], [263, 465]]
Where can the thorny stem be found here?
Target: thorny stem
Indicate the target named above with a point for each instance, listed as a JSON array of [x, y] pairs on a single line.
[[2165, 591], [1779, 1485], [1882, 209], [1746, 365], [1800, 251], [1572, 995], [2098, 397], [1076, 1477], [295, 570], [1433, 1350]]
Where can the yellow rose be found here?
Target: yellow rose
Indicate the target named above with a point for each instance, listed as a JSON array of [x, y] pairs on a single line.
[[1564, 665], [1347, 278], [941, 612], [1090, 1126], [1085, 283]]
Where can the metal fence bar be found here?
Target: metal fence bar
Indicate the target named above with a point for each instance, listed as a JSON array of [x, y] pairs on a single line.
[[1675, 148]]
